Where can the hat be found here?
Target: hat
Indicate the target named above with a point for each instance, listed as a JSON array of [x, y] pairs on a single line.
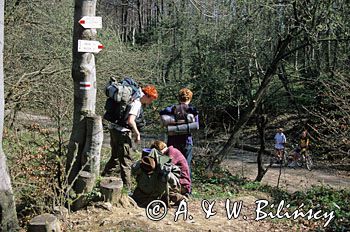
[[148, 164]]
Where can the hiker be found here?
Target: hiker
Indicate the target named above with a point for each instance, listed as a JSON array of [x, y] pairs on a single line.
[[303, 146], [156, 179], [182, 118], [124, 126], [280, 142], [179, 160]]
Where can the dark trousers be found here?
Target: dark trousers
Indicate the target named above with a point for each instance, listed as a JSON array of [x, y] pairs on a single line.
[[121, 154]]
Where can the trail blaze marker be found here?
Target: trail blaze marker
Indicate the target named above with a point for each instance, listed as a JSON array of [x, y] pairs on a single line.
[[85, 85], [89, 46], [91, 22]]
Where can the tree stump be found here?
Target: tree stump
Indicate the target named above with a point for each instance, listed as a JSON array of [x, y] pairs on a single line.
[[84, 184], [44, 223], [61, 213], [111, 189]]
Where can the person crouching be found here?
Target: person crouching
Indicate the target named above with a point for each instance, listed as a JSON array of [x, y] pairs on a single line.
[[178, 159]]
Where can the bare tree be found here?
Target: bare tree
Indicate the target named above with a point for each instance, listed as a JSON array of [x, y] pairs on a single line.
[[8, 216], [255, 102]]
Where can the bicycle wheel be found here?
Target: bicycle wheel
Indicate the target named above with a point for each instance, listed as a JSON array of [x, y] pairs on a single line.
[[309, 163], [300, 160], [285, 159]]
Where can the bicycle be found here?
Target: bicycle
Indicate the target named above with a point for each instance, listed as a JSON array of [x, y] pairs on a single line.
[[304, 157], [281, 161]]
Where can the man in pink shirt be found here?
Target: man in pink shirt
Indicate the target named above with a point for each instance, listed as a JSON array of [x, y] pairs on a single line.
[[178, 159]]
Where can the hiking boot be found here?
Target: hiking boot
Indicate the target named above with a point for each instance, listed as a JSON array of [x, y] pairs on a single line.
[[176, 198], [188, 195]]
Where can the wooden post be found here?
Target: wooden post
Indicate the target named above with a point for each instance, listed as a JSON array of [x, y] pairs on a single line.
[[44, 223], [85, 141]]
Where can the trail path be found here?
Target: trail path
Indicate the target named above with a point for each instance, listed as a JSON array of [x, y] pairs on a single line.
[[120, 219], [244, 164]]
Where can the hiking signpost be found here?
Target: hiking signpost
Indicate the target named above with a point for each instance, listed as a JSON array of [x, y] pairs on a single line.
[[91, 22], [89, 46], [86, 139]]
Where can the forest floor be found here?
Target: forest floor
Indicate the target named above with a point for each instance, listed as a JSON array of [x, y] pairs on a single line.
[[135, 219], [241, 163]]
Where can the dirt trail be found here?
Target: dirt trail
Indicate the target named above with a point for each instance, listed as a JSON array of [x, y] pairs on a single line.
[[244, 164], [119, 219]]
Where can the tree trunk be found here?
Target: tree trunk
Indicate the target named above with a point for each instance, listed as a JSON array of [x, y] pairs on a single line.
[[283, 77], [125, 20], [139, 15], [233, 8], [254, 103], [8, 216], [261, 122], [93, 145], [85, 140]]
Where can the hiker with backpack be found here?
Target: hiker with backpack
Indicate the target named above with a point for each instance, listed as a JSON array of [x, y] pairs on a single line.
[[178, 159], [124, 113], [181, 119], [156, 179]]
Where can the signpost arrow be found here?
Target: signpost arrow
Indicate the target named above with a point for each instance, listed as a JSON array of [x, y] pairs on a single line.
[[91, 22], [89, 46]]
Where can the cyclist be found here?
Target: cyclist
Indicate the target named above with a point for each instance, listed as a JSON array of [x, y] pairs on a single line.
[[302, 147], [280, 142]]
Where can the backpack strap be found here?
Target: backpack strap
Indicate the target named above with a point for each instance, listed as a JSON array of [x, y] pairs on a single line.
[[128, 81], [180, 112]]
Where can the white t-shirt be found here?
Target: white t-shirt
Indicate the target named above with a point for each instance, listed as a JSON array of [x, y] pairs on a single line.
[[135, 107], [280, 140]]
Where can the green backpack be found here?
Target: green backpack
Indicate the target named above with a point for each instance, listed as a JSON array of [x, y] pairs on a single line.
[[155, 184]]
